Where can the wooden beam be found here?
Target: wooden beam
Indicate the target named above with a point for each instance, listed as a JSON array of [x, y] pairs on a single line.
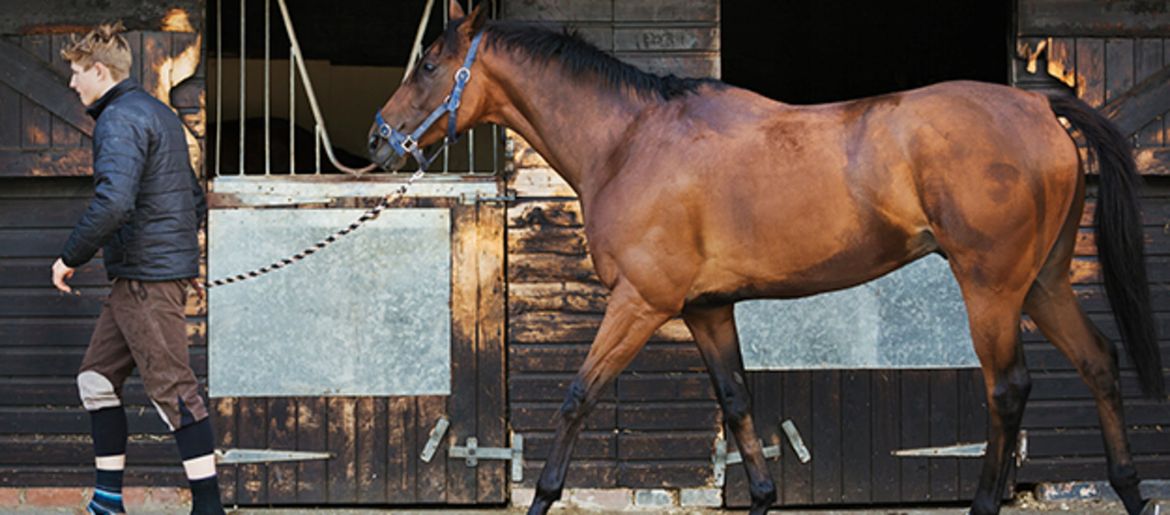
[[34, 79], [72, 162], [1141, 104], [1119, 18], [57, 16]]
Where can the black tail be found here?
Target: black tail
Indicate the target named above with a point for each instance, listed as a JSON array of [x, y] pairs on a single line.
[[1120, 243]]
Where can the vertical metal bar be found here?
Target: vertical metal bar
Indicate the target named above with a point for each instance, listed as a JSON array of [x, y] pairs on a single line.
[[317, 145], [292, 112], [243, 80], [267, 88], [446, 148], [218, 81]]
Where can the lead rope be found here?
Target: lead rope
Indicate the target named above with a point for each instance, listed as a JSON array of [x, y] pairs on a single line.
[[277, 265]]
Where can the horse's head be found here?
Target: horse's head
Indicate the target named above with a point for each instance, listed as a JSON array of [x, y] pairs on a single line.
[[438, 90]]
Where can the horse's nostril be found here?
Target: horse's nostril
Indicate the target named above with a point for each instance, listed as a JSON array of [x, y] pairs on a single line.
[[373, 143]]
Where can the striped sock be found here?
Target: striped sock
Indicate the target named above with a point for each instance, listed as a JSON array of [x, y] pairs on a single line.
[[106, 502]]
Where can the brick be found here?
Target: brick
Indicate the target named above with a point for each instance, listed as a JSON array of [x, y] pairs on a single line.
[[56, 497], [654, 497], [10, 497], [606, 500], [705, 497], [522, 497]]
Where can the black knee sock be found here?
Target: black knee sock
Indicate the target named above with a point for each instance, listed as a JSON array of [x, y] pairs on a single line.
[[108, 427], [196, 441]]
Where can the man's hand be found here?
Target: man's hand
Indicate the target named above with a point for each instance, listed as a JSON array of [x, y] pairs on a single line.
[[61, 272]]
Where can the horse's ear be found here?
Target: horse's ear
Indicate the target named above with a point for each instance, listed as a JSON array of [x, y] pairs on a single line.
[[479, 16], [455, 11]]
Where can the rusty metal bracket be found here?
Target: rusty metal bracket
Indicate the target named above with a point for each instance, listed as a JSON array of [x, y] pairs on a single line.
[[963, 450]]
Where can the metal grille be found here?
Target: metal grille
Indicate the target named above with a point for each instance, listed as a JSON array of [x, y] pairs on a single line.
[[479, 154]]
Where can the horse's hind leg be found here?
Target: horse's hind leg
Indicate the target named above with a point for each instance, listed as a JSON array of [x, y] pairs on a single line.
[[716, 337], [628, 323], [1053, 306]]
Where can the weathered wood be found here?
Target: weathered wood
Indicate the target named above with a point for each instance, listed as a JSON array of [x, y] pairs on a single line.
[[670, 386], [582, 474], [681, 443], [1077, 469], [797, 487], [155, 60], [431, 477], [527, 416], [943, 429], [31, 273], [372, 446], [36, 121], [342, 437], [826, 437], [915, 419], [562, 327], [887, 423], [282, 435], [49, 303], [658, 474], [1092, 18], [552, 240], [401, 459], [1089, 442], [1137, 106], [223, 421], [461, 405], [53, 16], [695, 65], [856, 447], [553, 10], [252, 479], [9, 120], [544, 213], [1090, 59], [46, 162], [972, 419], [666, 10], [1148, 60], [32, 78], [491, 403], [667, 415], [655, 357], [529, 268], [590, 445], [569, 297], [665, 38]]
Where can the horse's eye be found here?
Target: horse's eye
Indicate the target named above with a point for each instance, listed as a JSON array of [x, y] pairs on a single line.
[[428, 67]]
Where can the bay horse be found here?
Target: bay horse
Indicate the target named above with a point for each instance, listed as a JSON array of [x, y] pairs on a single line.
[[697, 194]]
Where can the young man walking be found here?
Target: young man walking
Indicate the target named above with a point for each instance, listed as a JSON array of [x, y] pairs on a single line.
[[145, 216]]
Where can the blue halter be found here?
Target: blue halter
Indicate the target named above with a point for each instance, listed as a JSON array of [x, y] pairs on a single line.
[[403, 144]]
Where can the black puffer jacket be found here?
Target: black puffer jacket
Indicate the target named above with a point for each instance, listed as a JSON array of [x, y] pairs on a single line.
[[147, 204]]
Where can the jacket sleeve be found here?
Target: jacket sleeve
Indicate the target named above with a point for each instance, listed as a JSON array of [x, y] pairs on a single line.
[[120, 146]]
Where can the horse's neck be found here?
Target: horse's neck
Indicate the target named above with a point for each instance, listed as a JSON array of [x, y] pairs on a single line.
[[574, 124]]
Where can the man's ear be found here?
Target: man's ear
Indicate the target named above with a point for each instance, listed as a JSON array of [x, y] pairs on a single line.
[[103, 72], [455, 11]]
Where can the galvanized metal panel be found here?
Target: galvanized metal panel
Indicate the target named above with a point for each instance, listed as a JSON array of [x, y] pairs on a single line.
[[369, 315], [912, 318]]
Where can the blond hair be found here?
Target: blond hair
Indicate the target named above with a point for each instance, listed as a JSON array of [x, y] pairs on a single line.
[[103, 45]]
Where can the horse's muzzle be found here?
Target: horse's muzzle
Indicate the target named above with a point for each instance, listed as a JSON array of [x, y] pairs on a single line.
[[384, 156]]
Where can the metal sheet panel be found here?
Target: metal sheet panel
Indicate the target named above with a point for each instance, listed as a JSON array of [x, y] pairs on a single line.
[[369, 315], [911, 318]]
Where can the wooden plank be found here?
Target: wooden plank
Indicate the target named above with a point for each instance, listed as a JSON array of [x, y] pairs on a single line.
[[653, 37], [56, 476], [40, 213], [461, 404], [666, 11], [667, 416], [1091, 18], [282, 435], [680, 444], [591, 445], [944, 430], [1076, 469], [30, 273], [563, 357], [57, 15], [972, 418], [915, 418], [542, 327], [554, 10], [36, 122], [26, 74], [544, 213], [529, 268], [826, 437], [1148, 60], [401, 459], [887, 420], [32, 162], [371, 445], [491, 396], [134, 39], [63, 134], [527, 417], [1139, 105], [155, 59], [1119, 68], [432, 477], [568, 297], [62, 332], [59, 361], [312, 426], [655, 474], [798, 485], [856, 448], [252, 479], [668, 386], [51, 303], [1091, 71], [223, 420], [9, 120], [342, 438], [567, 241]]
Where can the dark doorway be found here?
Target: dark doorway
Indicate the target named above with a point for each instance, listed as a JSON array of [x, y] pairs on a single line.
[[804, 52]]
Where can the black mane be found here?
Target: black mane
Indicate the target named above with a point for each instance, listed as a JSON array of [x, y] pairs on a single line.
[[581, 59]]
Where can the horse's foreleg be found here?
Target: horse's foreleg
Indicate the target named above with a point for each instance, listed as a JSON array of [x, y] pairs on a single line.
[[995, 330], [628, 323], [716, 337]]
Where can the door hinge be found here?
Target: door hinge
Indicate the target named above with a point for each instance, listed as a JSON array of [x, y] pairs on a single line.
[[472, 453], [243, 456], [964, 450]]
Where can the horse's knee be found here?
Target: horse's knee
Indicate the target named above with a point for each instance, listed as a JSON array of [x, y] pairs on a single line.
[[1011, 393], [96, 391]]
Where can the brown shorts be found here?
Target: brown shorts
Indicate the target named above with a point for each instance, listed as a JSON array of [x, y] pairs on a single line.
[[143, 324]]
